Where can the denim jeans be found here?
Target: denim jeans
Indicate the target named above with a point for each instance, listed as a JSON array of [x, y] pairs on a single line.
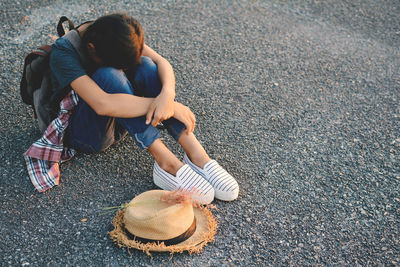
[[89, 132]]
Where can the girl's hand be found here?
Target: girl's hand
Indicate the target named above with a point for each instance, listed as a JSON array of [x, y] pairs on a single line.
[[161, 109], [185, 115]]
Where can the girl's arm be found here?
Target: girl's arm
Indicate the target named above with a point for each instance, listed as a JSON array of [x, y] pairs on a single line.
[[165, 71], [112, 105], [163, 106], [120, 105]]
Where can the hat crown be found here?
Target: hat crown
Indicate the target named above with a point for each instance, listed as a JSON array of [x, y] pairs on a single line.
[[150, 218]]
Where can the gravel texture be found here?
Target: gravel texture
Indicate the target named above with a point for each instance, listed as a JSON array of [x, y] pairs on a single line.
[[298, 100]]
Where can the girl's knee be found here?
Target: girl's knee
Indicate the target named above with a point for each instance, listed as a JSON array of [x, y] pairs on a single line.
[[146, 79], [112, 80], [146, 69], [107, 73], [147, 63]]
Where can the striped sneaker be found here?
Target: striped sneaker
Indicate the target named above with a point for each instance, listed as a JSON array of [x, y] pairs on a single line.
[[185, 179], [225, 186]]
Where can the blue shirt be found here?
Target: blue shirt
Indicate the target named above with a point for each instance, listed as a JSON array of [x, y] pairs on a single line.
[[65, 66]]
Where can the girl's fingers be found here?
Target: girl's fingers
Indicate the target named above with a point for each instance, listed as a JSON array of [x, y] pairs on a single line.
[[150, 114]]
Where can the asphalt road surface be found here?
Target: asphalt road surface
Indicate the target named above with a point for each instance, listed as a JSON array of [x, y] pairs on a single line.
[[298, 100]]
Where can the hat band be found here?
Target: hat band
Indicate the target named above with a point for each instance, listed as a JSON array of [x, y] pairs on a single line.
[[173, 241]]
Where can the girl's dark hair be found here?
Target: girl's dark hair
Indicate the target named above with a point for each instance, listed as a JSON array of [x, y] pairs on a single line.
[[118, 40]]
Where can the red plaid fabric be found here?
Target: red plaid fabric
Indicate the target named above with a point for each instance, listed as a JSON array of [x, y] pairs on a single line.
[[45, 155]]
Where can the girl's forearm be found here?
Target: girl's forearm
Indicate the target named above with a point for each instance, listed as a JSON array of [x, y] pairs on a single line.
[[126, 106], [112, 105], [165, 71], [167, 77]]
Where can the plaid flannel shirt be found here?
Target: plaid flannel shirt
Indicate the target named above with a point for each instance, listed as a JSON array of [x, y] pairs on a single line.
[[45, 155]]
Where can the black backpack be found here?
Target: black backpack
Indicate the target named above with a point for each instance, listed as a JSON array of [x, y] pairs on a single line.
[[35, 86]]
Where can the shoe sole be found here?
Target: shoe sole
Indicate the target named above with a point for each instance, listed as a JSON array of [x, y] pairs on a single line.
[[226, 196]]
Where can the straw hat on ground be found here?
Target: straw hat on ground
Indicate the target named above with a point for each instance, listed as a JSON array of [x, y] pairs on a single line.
[[163, 221]]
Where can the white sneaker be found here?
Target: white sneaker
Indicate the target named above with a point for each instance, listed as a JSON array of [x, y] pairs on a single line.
[[185, 179], [225, 186]]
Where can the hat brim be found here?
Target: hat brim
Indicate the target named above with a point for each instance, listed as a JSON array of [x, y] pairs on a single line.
[[206, 227]]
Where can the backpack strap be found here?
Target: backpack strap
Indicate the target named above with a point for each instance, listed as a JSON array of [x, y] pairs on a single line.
[[75, 40], [44, 50], [86, 22], [60, 27]]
